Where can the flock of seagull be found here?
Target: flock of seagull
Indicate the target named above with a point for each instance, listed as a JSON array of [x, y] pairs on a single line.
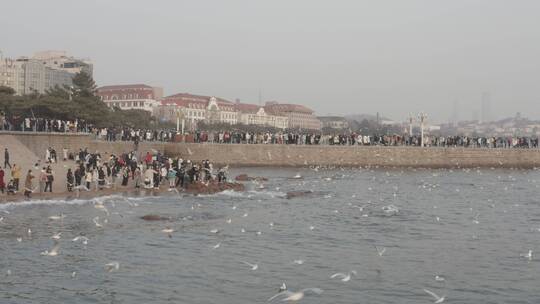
[[284, 294]]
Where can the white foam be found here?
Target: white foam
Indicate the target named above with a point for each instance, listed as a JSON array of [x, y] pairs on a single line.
[[55, 202]]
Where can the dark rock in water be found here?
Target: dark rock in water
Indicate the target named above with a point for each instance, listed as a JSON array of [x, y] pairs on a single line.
[[213, 187], [155, 217], [294, 194], [246, 178]]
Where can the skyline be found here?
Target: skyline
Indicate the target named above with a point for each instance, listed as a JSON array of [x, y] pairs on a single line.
[[345, 58]]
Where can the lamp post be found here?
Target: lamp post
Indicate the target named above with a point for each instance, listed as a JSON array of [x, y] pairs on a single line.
[[180, 116], [422, 117], [411, 120]]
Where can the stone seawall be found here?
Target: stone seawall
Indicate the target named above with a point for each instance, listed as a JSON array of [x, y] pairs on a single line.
[[292, 155], [289, 155]]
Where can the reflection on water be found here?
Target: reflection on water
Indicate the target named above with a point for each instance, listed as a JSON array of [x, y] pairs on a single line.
[[457, 233]]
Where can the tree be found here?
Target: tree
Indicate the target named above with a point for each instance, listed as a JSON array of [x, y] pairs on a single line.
[[84, 85]]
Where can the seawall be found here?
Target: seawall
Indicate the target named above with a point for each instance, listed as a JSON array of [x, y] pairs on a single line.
[[288, 155]]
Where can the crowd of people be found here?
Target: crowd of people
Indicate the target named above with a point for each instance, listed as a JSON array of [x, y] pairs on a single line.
[[287, 138], [294, 138], [94, 172], [32, 124]]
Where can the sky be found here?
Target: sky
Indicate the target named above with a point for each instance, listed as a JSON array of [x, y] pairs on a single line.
[[337, 57]]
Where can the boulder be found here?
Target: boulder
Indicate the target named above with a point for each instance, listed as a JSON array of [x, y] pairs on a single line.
[[295, 194], [213, 187], [246, 178], [154, 217]]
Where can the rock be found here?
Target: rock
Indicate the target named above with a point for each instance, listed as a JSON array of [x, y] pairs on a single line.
[[213, 187], [246, 178], [294, 194], [154, 217]]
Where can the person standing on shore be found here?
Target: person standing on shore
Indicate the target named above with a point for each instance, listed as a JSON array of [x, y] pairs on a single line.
[[69, 180], [125, 176], [137, 177], [65, 153], [78, 176], [88, 179], [28, 184], [6, 159], [42, 180], [50, 179], [101, 177], [16, 175], [2, 184]]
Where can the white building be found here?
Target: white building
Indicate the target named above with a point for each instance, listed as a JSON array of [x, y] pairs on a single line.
[[196, 108], [41, 72], [131, 96]]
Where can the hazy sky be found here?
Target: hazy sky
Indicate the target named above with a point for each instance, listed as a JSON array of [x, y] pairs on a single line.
[[337, 57]]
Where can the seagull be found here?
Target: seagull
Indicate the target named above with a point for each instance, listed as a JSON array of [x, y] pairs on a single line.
[[283, 287], [1, 219], [56, 236], [296, 296], [214, 230], [8, 272], [217, 246], [73, 274], [434, 295], [258, 233], [344, 277], [271, 224], [297, 176], [233, 207], [298, 262], [81, 237], [56, 217], [54, 250], [112, 266], [229, 221], [528, 255], [475, 220], [29, 232], [245, 214], [439, 278], [19, 239], [242, 230], [311, 227], [96, 221], [253, 266], [169, 231], [380, 251]]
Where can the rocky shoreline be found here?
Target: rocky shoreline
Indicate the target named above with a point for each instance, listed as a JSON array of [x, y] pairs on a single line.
[[192, 189]]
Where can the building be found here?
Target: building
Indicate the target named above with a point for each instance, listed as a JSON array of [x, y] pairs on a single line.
[[59, 60], [250, 114], [41, 72], [131, 96], [334, 122], [300, 117], [197, 108]]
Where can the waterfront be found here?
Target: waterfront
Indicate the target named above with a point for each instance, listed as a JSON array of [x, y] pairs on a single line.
[[468, 226]]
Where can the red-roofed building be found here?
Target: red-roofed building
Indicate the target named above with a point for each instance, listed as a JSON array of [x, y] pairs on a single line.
[[196, 108], [250, 114], [131, 96], [298, 116]]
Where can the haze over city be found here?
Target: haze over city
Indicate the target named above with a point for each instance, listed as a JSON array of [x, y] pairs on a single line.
[[337, 57]]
